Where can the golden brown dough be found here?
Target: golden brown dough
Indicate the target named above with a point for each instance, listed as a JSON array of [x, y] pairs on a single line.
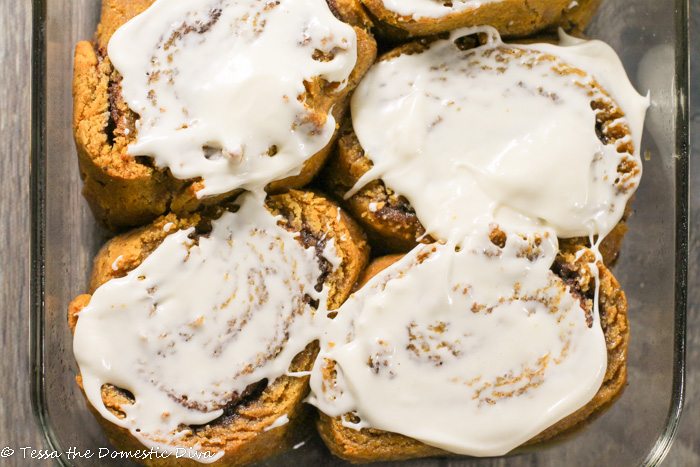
[[371, 445], [392, 223], [125, 191], [512, 18], [241, 430]]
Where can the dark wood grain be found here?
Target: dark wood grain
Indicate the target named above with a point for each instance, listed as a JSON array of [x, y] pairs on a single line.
[[17, 425]]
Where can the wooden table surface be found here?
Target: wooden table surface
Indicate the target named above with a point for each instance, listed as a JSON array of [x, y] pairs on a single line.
[[17, 426]]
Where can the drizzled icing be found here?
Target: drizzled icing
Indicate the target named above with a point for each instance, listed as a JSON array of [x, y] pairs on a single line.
[[218, 86], [432, 8], [502, 131], [477, 140], [235, 313], [474, 351], [472, 344]]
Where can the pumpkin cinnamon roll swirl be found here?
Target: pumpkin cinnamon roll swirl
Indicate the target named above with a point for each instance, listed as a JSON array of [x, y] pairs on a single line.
[[197, 336], [178, 105], [445, 132], [400, 19], [474, 350]]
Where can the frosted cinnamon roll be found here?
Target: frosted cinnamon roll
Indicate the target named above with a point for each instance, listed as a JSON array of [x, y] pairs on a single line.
[[197, 336], [179, 104], [400, 19], [445, 132], [471, 350]]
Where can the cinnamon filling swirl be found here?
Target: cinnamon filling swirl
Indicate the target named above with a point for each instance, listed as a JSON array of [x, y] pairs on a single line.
[[201, 322]]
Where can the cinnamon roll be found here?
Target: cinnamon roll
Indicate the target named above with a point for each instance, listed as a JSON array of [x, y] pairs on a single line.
[[400, 19], [178, 105], [444, 132], [474, 350], [197, 336]]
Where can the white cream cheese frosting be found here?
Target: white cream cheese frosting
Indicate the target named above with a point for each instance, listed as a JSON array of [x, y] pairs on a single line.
[[199, 321], [431, 8], [473, 350], [500, 131], [217, 85]]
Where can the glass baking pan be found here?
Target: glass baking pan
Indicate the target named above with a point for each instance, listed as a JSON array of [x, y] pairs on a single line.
[[651, 38]]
